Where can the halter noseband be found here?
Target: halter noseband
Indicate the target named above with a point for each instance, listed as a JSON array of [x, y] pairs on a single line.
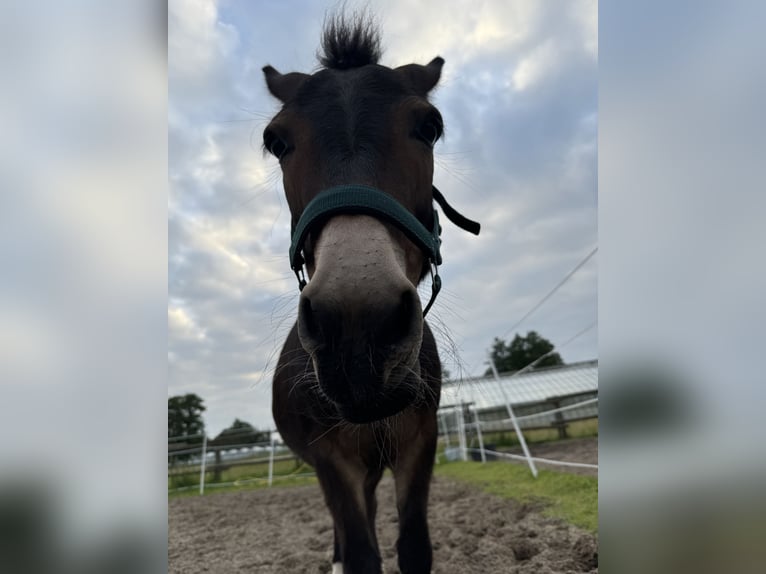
[[364, 200]]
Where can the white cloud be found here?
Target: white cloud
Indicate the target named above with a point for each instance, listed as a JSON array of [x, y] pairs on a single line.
[[586, 12], [197, 39], [535, 66], [181, 326]]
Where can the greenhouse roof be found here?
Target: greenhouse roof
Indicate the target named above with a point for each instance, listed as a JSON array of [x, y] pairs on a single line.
[[530, 387]]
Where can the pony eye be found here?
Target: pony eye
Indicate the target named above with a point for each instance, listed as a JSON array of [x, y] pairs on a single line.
[[430, 131], [275, 145]]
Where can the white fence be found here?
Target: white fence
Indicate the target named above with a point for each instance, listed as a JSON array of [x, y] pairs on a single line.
[[193, 464], [190, 464], [452, 420]]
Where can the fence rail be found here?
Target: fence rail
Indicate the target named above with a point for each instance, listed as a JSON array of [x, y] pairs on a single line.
[[453, 419], [186, 463], [460, 417], [554, 412]]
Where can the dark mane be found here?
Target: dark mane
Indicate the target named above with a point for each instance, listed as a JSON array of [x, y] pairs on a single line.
[[349, 42]]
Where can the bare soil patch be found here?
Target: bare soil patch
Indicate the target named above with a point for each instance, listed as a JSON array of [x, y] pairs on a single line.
[[583, 450], [288, 530]]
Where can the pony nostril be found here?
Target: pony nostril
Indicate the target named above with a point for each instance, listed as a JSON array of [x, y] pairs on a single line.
[[399, 324]]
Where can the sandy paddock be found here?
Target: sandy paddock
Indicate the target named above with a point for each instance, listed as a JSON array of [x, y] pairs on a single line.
[[288, 530]]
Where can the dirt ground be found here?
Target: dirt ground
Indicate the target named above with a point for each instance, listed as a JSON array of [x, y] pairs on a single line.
[[570, 450], [288, 530]]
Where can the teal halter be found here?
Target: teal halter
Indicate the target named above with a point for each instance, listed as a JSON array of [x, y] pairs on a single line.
[[364, 200]]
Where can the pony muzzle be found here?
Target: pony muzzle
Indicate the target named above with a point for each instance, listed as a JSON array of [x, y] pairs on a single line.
[[360, 317]]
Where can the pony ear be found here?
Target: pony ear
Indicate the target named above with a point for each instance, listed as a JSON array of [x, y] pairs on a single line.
[[283, 86], [422, 78]]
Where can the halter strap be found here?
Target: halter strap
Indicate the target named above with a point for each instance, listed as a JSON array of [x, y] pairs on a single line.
[[364, 200], [361, 199], [458, 219]]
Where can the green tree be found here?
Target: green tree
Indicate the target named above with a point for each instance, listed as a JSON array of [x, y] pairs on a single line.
[[185, 417], [240, 432], [522, 351], [185, 426]]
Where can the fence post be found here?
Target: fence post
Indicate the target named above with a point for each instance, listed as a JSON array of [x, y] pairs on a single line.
[[446, 429], [271, 460], [478, 432], [559, 423], [218, 464], [202, 466], [519, 434], [461, 433]]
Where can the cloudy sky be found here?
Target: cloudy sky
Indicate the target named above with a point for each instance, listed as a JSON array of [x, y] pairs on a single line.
[[519, 100]]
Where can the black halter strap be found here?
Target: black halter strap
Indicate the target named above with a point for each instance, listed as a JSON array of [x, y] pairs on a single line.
[[361, 199], [458, 219]]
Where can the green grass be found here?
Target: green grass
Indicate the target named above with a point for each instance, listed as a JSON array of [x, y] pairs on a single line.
[[278, 483], [571, 497], [249, 472]]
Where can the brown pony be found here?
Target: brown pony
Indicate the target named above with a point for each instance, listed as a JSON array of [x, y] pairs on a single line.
[[357, 385]]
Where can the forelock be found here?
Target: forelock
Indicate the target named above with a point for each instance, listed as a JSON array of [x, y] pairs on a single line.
[[349, 41]]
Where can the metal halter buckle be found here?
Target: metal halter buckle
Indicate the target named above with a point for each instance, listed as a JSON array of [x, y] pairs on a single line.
[[436, 285]]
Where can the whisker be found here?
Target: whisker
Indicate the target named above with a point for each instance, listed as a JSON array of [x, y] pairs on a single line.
[[333, 427]]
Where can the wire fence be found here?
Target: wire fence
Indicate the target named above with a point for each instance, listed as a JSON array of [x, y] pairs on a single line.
[[461, 427], [212, 466], [263, 463]]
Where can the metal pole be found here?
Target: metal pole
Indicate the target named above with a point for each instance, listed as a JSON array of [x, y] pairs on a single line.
[[271, 460], [461, 433], [478, 432], [446, 429], [519, 434], [202, 467]]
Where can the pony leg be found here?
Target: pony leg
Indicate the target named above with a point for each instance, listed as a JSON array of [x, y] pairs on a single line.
[[412, 474], [371, 481], [342, 483], [337, 561]]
